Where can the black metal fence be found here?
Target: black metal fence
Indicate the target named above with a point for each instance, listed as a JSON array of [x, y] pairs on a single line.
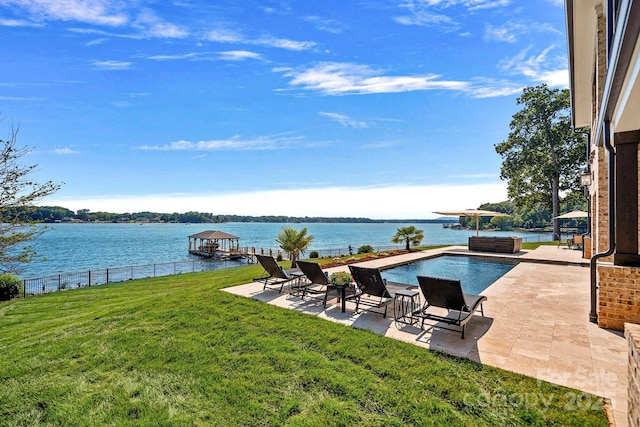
[[60, 282]]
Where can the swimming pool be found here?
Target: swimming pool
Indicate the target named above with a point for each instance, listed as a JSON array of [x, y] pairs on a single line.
[[475, 273]]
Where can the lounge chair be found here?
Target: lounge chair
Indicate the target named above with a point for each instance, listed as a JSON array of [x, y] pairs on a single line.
[[578, 241], [376, 292], [318, 282], [275, 275], [447, 294]]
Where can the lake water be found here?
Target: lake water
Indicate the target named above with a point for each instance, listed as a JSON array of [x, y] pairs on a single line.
[[75, 247], [475, 274]]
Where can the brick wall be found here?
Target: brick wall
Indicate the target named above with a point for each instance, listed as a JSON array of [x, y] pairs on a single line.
[[632, 333], [618, 296]]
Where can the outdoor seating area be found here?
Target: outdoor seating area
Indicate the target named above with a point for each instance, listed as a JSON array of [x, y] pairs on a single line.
[[518, 328]]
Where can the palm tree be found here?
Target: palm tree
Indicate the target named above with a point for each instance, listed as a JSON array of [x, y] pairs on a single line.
[[293, 242], [408, 235]]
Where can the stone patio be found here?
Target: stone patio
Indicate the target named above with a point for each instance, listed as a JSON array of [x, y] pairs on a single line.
[[536, 323]]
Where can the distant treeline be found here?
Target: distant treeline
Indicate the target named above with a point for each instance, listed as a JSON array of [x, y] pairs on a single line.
[[518, 217], [50, 214]]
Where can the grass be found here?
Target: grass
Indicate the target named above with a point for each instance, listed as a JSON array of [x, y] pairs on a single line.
[[178, 351]]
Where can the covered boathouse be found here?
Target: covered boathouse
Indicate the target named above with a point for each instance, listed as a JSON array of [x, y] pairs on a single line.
[[212, 243]]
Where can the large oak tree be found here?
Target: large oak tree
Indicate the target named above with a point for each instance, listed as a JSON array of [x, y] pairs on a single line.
[[543, 157]]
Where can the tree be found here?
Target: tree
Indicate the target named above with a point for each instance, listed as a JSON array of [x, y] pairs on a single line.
[[542, 157], [294, 242], [18, 194], [408, 235]]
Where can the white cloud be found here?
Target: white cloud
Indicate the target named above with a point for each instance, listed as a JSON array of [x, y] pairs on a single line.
[[96, 42], [505, 33], [153, 26], [539, 68], [65, 151], [344, 120], [224, 36], [509, 32], [17, 23], [232, 36], [112, 65], [238, 55], [20, 98], [100, 12], [192, 55], [275, 142], [433, 12], [327, 25], [332, 78], [379, 202], [110, 13]]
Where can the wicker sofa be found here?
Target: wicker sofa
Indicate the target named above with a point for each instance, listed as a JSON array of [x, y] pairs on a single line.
[[507, 245]]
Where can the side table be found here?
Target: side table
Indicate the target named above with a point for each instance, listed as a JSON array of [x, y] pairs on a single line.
[[406, 303]]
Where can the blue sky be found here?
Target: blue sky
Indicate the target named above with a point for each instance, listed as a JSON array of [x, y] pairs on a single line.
[[382, 109]]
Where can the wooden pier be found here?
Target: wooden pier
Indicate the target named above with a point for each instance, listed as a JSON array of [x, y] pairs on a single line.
[[221, 245]]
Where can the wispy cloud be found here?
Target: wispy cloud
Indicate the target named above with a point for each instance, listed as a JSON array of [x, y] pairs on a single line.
[[153, 26], [432, 13], [17, 23], [327, 25], [96, 42], [112, 65], [100, 12], [539, 68], [231, 36], [65, 151], [332, 78], [238, 55], [274, 142], [344, 120], [510, 32], [108, 13], [180, 56], [229, 55], [20, 98]]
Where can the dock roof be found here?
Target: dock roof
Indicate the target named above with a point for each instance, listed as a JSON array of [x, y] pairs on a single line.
[[213, 235]]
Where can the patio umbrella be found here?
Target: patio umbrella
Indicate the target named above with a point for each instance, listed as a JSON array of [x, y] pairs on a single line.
[[573, 214], [474, 213]]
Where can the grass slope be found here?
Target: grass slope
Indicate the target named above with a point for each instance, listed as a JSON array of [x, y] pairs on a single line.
[[177, 351]]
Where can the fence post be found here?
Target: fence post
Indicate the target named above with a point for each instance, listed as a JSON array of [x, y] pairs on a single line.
[[89, 278], [107, 276], [24, 288]]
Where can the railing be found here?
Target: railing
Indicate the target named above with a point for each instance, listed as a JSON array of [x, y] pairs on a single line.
[[60, 282]]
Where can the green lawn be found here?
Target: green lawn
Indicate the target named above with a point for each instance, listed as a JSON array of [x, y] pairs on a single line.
[[177, 351]]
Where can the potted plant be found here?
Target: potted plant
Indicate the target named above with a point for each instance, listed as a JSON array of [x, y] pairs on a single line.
[[341, 278]]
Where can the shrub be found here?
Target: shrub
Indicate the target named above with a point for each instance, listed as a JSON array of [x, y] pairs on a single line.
[[279, 257], [365, 249], [9, 287], [314, 254]]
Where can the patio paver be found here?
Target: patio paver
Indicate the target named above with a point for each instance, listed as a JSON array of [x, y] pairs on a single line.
[[536, 323]]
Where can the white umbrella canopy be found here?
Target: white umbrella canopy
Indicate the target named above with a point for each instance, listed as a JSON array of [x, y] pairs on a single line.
[[474, 213], [573, 214]]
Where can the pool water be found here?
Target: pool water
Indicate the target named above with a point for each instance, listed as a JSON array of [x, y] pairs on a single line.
[[475, 274]]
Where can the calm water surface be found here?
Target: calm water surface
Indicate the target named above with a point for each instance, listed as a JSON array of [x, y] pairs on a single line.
[[475, 274], [85, 246]]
